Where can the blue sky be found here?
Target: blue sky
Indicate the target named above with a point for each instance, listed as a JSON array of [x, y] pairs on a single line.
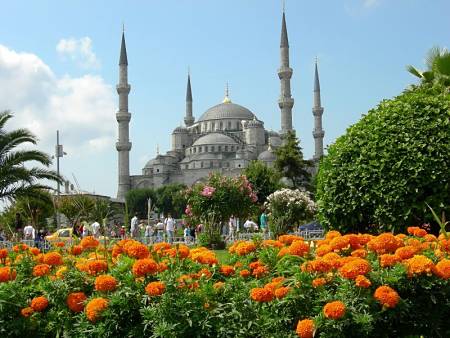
[[58, 66]]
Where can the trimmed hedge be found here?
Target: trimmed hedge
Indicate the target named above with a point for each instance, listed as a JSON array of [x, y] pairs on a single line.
[[388, 165]]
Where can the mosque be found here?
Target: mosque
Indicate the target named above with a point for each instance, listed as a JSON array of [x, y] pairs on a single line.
[[224, 139]]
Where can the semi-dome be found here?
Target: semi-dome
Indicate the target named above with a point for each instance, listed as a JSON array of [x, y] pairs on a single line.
[[180, 130], [227, 110], [214, 138], [267, 156]]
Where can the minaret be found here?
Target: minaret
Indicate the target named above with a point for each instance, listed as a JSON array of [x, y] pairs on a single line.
[[286, 102], [123, 145], [317, 110], [189, 119]]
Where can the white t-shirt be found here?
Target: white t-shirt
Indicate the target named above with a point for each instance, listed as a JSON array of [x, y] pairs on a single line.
[[28, 231], [186, 232], [160, 226], [170, 224], [95, 228], [134, 224], [148, 230]]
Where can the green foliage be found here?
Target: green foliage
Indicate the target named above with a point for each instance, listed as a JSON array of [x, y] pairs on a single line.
[[264, 180], [136, 200], [171, 199], [18, 179], [35, 209], [290, 162], [389, 165], [438, 68]]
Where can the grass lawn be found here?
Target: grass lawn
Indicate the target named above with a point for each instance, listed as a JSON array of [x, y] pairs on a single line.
[[223, 256]]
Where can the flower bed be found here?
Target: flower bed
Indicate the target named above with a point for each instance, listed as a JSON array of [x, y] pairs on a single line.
[[348, 286]]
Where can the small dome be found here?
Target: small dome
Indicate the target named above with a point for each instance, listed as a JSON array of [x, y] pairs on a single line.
[[227, 110], [255, 123], [153, 161], [267, 156], [214, 138], [179, 130], [273, 133]]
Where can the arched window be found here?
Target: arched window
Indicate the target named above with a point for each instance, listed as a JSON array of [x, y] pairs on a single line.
[[229, 125], [211, 164], [220, 125]]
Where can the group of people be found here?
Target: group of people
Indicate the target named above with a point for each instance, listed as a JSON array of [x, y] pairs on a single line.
[[249, 225]]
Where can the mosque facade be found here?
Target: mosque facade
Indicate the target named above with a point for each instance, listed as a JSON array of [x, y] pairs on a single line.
[[225, 139]]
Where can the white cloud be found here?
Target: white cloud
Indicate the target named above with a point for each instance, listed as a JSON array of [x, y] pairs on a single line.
[[82, 108], [78, 50], [371, 3]]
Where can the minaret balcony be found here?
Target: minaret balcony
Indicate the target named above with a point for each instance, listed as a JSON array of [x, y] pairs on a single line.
[[285, 72], [286, 102], [318, 133], [123, 146], [123, 88], [317, 111], [122, 116]]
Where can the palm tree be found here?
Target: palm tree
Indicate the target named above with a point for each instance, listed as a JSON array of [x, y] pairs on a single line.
[[17, 179], [438, 67]]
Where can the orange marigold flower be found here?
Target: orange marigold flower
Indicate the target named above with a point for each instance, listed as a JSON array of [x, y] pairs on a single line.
[[53, 258], [204, 273], [76, 250], [339, 243], [143, 267], [384, 243], [20, 247], [272, 286], [226, 270], [406, 252], [95, 308], [418, 265], [41, 270], [218, 285], [203, 256], [255, 264], [35, 251], [162, 267], [183, 251], [416, 231], [359, 253], [279, 279], [60, 272], [334, 310], [245, 248], [137, 250], [27, 312], [318, 282], [160, 247], [288, 239], [105, 283], [75, 301], [362, 282], [281, 292], [271, 243], [332, 234], [388, 260], [323, 250], [352, 269], [317, 265], [443, 269], [260, 271], [96, 266], [60, 244], [333, 259], [3, 253], [354, 241], [261, 294], [430, 238], [39, 304], [386, 296], [444, 244], [244, 273], [89, 242], [305, 328], [7, 274], [155, 288], [299, 248], [365, 238], [283, 252]]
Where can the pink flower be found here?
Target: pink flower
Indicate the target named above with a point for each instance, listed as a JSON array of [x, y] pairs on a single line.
[[188, 210], [208, 191], [254, 197]]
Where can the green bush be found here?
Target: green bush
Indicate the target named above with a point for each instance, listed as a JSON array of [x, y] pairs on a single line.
[[387, 166]]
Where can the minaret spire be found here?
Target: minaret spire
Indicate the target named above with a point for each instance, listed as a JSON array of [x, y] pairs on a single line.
[[286, 102], [318, 132], [123, 145], [189, 118]]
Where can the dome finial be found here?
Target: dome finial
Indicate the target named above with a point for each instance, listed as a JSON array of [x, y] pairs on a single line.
[[227, 94]]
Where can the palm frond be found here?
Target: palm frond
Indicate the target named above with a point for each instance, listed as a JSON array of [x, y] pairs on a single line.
[[23, 156], [433, 54], [414, 71], [443, 64], [4, 117]]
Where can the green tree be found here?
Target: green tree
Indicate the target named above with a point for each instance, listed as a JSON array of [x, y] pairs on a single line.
[[170, 199], [438, 67], [264, 180], [137, 201], [35, 209], [17, 178], [101, 210], [75, 207], [389, 165], [290, 162]]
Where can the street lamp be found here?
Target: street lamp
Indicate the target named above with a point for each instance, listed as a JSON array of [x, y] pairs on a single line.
[[59, 152]]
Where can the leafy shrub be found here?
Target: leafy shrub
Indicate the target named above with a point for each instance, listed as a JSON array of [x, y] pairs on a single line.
[[389, 165]]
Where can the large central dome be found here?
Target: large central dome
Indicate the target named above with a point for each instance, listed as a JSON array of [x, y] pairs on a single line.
[[227, 110]]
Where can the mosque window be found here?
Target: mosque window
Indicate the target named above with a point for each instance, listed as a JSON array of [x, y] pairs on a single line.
[[220, 148], [199, 149], [184, 146], [226, 148], [211, 164], [212, 148], [238, 125], [187, 166], [212, 126], [220, 125], [157, 170], [206, 149], [239, 165], [229, 124], [201, 164]]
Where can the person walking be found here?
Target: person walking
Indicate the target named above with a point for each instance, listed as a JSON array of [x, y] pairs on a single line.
[[95, 229], [29, 233], [159, 231], [134, 226], [231, 228], [148, 233], [263, 221], [170, 227]]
